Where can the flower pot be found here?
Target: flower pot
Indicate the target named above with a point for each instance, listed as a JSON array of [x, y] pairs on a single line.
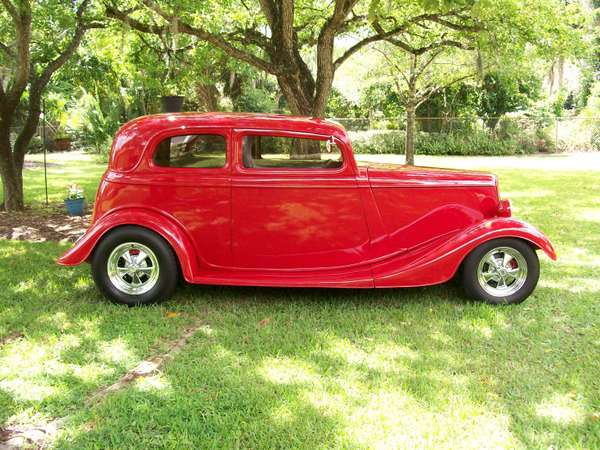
[[62, 144], [171, 103], [74, 207]]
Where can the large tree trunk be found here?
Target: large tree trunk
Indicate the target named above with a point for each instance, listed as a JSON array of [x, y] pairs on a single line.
[[409, 147]]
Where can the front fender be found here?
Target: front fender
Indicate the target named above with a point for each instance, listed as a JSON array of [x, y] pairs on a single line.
[[439, 261], [159, 223], [506, 227]]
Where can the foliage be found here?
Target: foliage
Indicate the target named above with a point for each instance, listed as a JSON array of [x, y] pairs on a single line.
[[74, 192], [381, 96], [503, 92], [591, 115], [340, 106], [510, 138]]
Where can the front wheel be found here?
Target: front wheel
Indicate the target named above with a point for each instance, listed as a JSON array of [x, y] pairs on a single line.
[[134, 266], [501, 271]]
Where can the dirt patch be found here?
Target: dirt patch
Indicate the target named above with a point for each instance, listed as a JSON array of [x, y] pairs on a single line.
[[20, 437], [43, 224], [11, 337]]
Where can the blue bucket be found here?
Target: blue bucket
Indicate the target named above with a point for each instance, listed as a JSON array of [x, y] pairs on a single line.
[[74, 207]]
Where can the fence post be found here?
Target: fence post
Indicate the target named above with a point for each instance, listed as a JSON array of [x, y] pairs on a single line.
[[44, 147]]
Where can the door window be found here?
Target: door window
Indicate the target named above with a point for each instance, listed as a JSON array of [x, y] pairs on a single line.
[[268, 152]]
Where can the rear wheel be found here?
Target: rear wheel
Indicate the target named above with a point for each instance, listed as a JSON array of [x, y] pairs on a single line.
[[501, 271], [134, 266]]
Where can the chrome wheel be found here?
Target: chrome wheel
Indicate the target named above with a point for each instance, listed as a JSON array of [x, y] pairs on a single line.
[[502, 271], [133, 268]]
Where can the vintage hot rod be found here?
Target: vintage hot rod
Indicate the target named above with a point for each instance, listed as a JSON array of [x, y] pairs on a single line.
[[270, 200]]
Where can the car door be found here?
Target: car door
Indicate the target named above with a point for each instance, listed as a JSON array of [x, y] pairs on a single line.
[[291, 211], [190, 170]]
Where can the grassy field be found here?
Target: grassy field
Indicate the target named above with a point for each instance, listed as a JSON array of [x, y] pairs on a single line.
[[282, 368]]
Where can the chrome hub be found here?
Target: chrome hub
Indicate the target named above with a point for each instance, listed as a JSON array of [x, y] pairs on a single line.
[[133, 268], [502, 271]]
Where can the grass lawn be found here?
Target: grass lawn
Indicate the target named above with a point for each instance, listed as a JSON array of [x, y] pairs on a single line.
[[281, 368]]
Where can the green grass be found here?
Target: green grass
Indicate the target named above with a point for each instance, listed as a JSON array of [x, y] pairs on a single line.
[[407, 368]]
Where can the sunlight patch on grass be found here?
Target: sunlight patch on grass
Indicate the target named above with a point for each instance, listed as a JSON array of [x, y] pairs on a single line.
[[117, 351], [592, 215], [24, 390], [394, 419], [283, 370], [576, 285], [564, 409], [527, 193], [156, 384], [386, 356]]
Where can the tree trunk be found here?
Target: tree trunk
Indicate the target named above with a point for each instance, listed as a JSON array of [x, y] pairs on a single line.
[[208, 96], [409, 147], [12, 180]]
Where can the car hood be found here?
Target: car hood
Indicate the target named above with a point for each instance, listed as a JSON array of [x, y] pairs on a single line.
[[385, 174]]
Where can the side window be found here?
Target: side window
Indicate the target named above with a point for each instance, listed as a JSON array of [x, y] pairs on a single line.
[[290, 153], [191, 150]]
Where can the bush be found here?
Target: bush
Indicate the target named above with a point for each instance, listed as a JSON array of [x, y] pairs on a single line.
[[595, 139], [475, 142]]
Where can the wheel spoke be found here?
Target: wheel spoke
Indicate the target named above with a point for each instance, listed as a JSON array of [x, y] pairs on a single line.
[[490, 276], [502, 283], [507, 258], [127, 257], [135, 279], [141, 256], [145, 269]]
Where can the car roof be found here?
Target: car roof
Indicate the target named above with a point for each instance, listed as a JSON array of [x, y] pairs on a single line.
[[241, 120], [131, 138]]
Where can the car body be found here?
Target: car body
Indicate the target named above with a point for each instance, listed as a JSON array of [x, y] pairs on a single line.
[[324, 223]]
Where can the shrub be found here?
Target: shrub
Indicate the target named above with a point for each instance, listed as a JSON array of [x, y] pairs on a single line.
[[475, 142]]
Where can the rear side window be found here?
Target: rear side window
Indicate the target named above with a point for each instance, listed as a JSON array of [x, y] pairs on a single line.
[[269, 152], [200, 151]]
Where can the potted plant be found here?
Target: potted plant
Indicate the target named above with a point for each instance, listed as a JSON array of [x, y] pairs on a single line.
[[74, 200], [170, 101], [62, 141]]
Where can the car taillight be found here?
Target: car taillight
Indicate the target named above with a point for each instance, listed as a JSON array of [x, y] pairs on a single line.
[[504, 208]]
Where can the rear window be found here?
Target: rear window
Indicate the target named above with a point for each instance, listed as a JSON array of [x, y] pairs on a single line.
[[200, 151]]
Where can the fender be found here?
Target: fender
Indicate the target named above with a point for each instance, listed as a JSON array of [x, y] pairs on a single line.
[[439, 261], [157, 222]]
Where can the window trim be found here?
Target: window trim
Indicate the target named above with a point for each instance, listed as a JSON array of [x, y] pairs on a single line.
[[239, 162], [185, 131]]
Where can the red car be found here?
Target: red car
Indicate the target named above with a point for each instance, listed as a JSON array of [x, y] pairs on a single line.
[[269, 200]]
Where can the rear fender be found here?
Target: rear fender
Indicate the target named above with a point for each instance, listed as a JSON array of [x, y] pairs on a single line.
[[439, 262], [159, 223]]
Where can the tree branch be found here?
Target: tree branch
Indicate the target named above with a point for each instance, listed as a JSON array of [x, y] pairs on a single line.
[[12, 10], [22, 22], [217, 41], [7, 50]]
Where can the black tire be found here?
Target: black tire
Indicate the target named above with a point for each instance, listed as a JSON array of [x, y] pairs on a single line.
[[469, 273], [168, 273]]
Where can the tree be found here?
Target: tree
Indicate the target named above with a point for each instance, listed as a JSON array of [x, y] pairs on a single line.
[[416, 80], [32, 49], [275, 36]]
